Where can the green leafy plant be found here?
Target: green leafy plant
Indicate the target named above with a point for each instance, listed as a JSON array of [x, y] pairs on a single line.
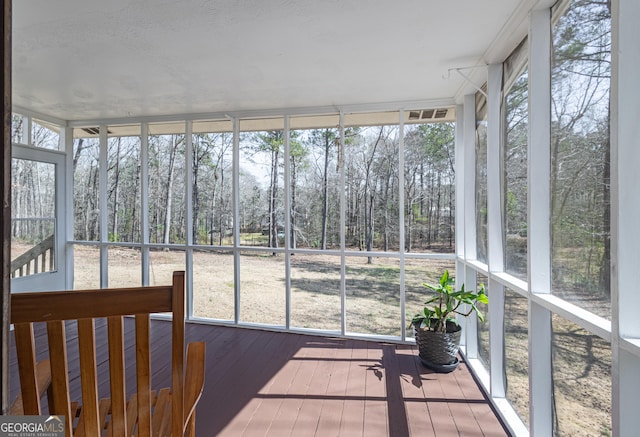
[[441, 309]]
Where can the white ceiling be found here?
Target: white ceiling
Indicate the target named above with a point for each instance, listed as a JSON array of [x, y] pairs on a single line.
[[94, 59]]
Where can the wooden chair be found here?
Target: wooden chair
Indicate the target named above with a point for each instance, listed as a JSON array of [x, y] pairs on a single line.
[[169, 412]]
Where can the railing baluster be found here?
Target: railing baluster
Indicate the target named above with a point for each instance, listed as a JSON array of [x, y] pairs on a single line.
[[24, 261]]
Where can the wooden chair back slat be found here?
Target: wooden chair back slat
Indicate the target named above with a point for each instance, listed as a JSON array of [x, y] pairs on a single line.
[[43, 382], [163, 404], [103, 410], [89, 304], [177, 360], [143, 372], [88, 377], [165, 410], [118, 423], [132, 412], [193, 385], [59, 401], [25, 349]]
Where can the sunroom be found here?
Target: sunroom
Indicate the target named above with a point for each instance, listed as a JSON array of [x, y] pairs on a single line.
[[310, 165]]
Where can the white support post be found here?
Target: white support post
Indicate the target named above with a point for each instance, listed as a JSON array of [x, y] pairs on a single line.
[[27, 133], [287, 222], [343, 241], [66, 142], [460, 177], [625, 214], [539, 213], [188, 195], [469, 175], [460, 203], [467, 172], [104, 207], [236, 219], [461, 278], [188, 178], [401, 234], [144, 200], [494, 169], [495, 228], [470, 323]]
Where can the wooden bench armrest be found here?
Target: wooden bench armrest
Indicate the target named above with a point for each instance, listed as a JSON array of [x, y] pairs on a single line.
[[43, 381], [194, 379]]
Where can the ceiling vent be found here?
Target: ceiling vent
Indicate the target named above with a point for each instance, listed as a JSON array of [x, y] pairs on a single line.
[[94, 130], [428, 114]]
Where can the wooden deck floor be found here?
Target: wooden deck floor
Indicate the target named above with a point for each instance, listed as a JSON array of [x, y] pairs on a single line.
[[261, 383]]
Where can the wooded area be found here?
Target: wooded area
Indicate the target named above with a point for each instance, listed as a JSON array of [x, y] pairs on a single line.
[[580, 154], [371, 188]]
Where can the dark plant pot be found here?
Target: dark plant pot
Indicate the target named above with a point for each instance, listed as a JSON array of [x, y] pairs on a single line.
[[438, 350]]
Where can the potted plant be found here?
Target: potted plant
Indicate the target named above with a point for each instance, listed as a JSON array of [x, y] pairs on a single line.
[[436, 327]]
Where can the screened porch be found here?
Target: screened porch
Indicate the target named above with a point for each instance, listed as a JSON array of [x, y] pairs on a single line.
[[311, 166]]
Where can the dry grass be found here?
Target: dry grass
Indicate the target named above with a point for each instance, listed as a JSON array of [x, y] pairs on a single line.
[[373, 296]]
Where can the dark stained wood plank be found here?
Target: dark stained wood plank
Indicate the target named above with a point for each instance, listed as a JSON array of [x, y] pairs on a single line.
[[333, 405], [250, 354], [276, 384], [463, 418], [309, 413], [396, 408], [294, 393], [418, 419], [376, 421], [480, 406], [439, 412], [273, 394], [261, 372], [281, 420], [352, 421]]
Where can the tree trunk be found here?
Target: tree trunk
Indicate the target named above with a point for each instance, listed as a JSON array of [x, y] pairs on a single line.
[[115, 191], [78, 153], [195, 194], [605, 265], [134, 222], [422, 196], [221, 208], [169, 193], [370, 192], [92, 225], [370, 227], [273, 226], [436, 235], [385, 205], [293, 204], [451, 215], [325, 191]]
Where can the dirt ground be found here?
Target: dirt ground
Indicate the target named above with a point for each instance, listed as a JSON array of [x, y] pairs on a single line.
[[581, 361], [372, 304]]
